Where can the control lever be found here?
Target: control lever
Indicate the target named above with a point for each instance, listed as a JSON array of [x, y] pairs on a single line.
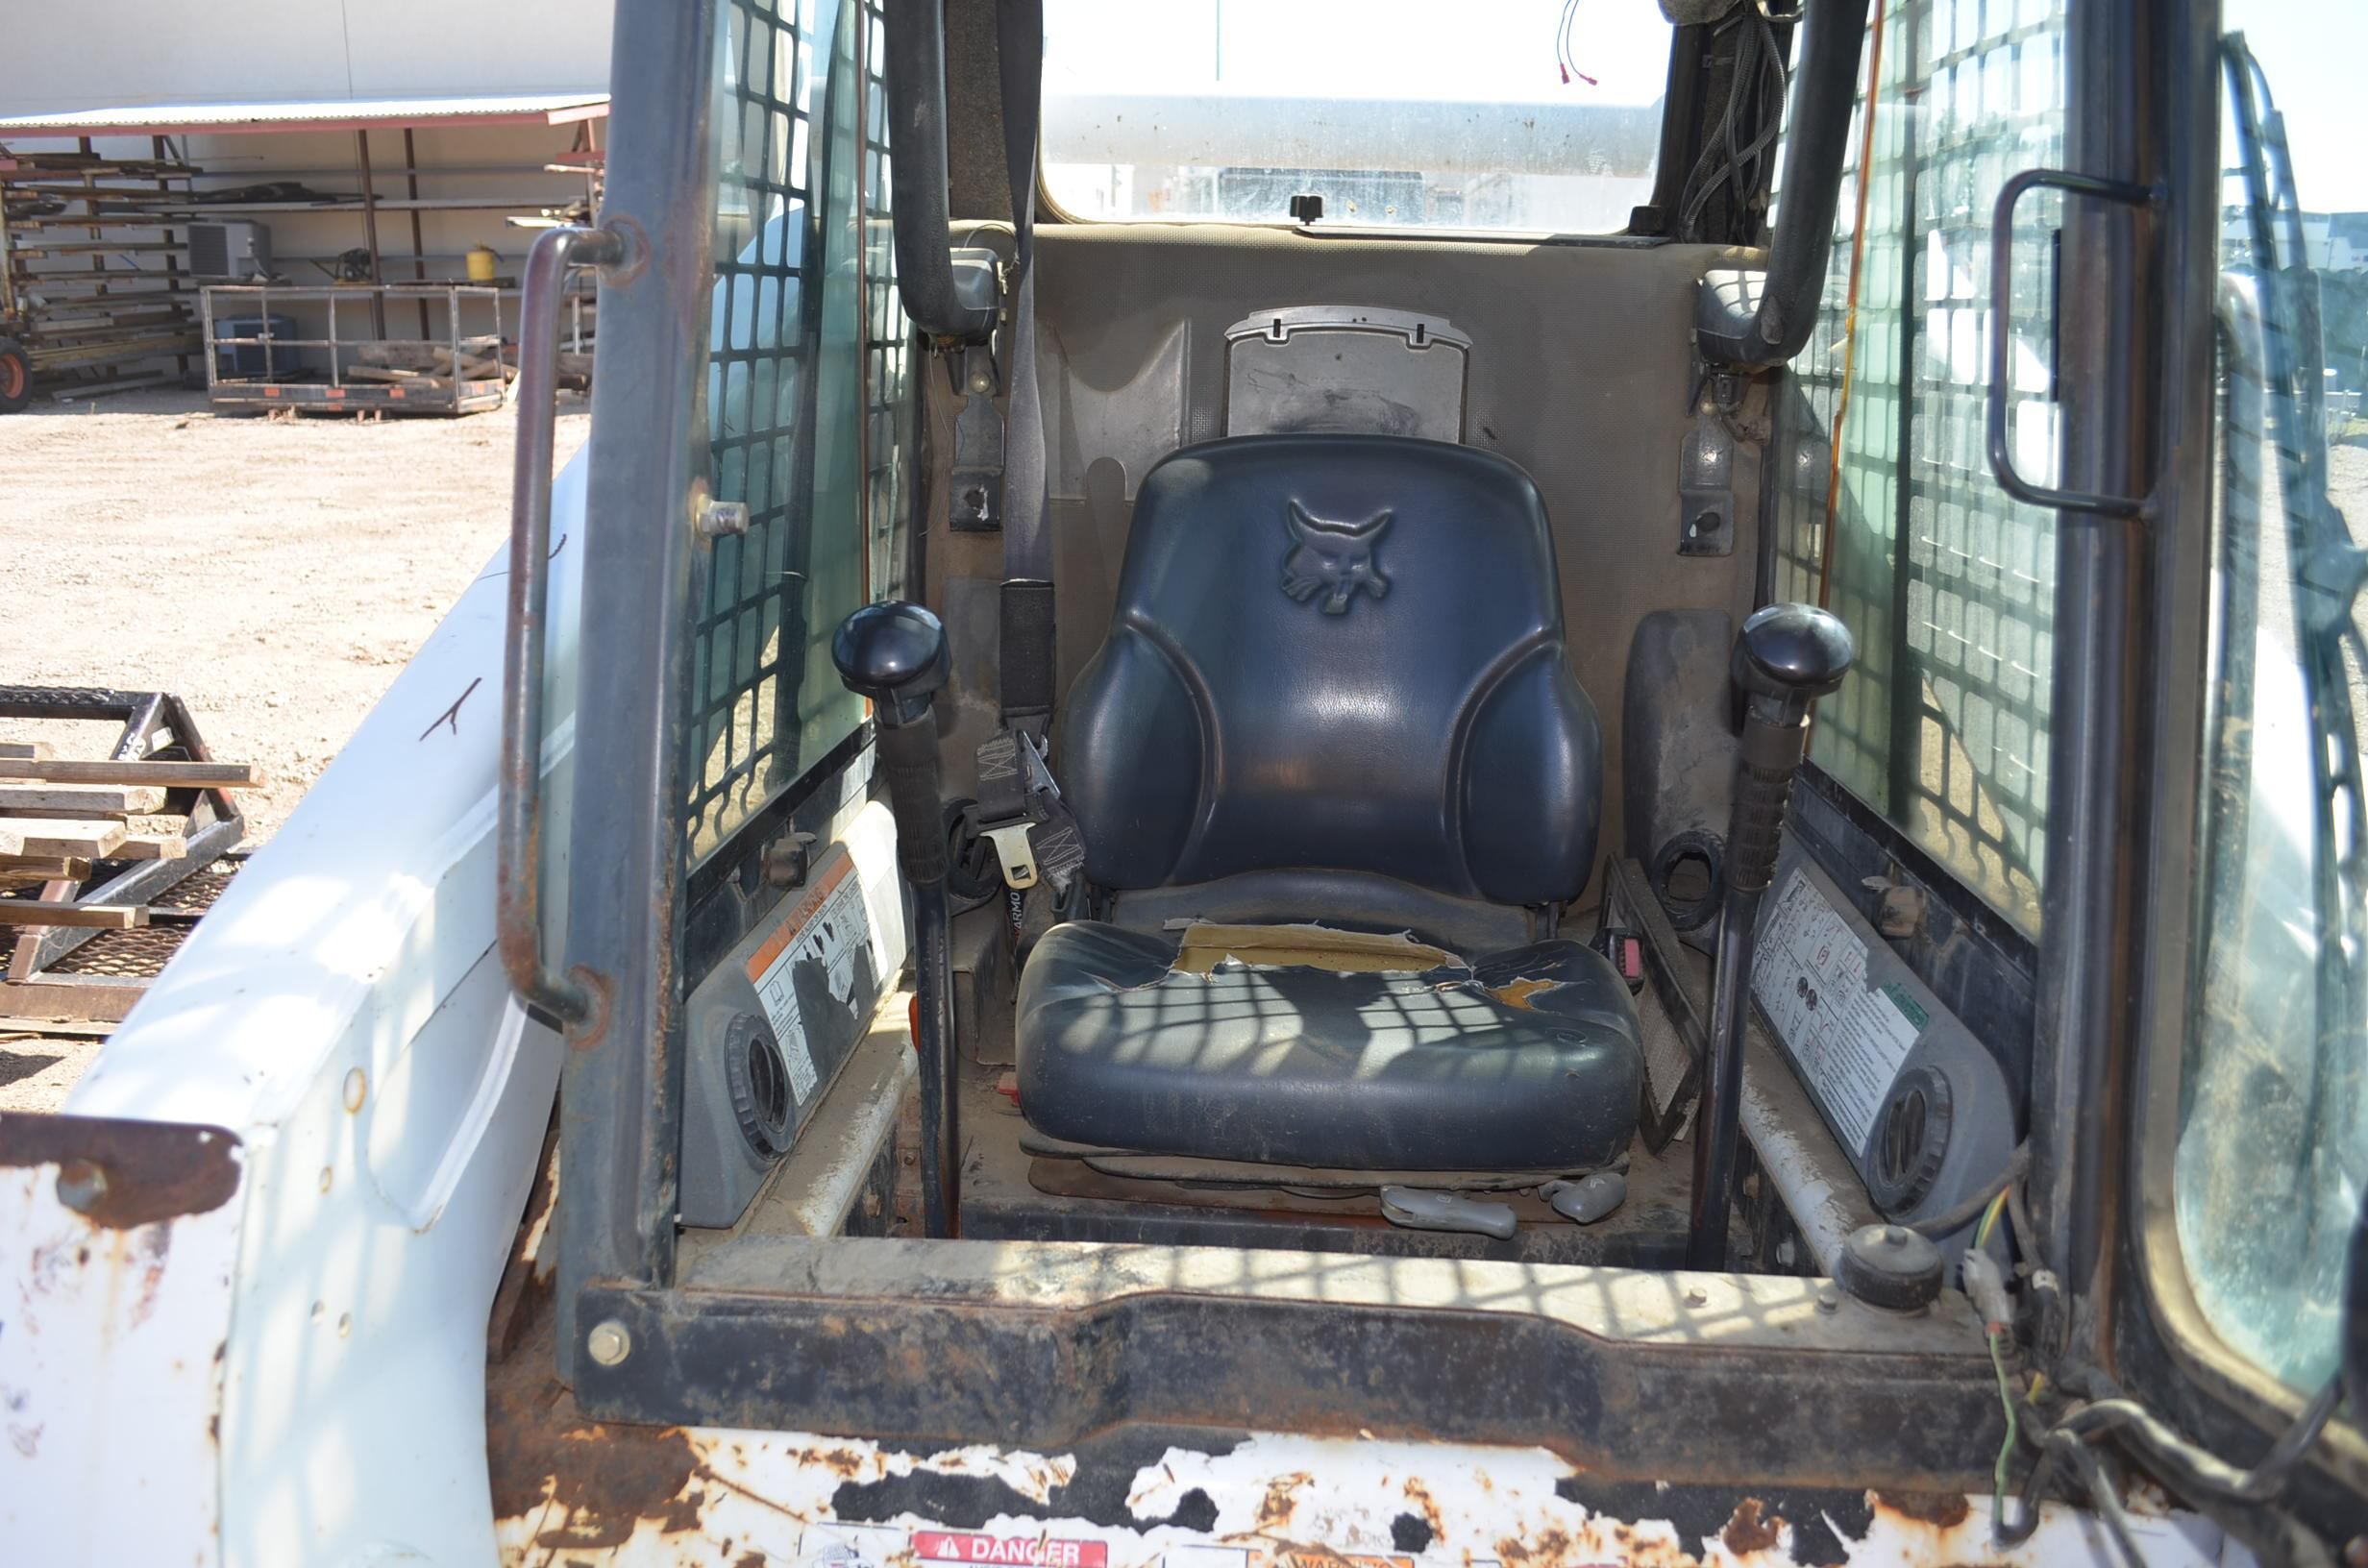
[[1788, 656], [895, 654]]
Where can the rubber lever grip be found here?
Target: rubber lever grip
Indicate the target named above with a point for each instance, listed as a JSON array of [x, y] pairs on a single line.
[[908, 765]]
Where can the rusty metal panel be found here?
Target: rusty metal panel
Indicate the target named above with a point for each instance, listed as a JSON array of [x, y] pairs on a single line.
[[577, 1492], [118, 1240], [1627, 1372]]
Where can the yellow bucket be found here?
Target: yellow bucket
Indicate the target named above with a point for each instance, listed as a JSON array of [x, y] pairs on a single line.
[[482, 263]]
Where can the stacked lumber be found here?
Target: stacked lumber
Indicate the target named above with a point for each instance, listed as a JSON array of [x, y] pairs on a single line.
[[430, 364], [58, 819], [94, 271]]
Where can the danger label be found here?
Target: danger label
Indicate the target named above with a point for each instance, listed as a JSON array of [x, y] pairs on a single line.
[[1026, 1551]]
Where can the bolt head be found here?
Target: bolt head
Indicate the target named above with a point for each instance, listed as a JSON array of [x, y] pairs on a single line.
[[1829, 1297], [82, 1184], [719, 517], [785, 860], [608, 1343], [978, 383]]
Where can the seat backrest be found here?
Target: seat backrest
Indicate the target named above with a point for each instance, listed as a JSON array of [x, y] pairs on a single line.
[[1342, 652]]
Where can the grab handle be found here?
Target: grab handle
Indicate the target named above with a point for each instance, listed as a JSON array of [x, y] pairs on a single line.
[[2001, 302], [518, 925]]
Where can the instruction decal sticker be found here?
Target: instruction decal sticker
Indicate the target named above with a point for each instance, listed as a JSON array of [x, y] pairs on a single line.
[[1848, 1036]]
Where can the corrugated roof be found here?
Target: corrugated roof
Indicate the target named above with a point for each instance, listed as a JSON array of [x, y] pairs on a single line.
[[330, 114]]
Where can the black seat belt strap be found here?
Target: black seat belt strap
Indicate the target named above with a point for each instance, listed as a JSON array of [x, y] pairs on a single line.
[[1019, 805], [1028, 672]]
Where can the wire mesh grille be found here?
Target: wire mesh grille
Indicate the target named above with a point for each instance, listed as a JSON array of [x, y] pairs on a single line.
[[1946, 582], [804, 311]]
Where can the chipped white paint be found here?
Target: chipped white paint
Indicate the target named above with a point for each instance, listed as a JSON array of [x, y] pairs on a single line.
[[1278, 1502], [348, 1291], [109, 1381]]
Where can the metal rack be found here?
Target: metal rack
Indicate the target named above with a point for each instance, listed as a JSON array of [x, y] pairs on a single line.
[[91, 271], [75, 971], [457, 372]]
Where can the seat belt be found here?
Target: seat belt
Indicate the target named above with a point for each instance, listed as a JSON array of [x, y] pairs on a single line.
[[1027, 679], [1019, 808]]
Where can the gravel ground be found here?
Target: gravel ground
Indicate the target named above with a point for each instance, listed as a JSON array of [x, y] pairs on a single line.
[[275, 575]]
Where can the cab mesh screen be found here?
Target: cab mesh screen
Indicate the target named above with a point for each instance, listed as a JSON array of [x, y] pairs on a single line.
[[1946, 582], [809, 418]]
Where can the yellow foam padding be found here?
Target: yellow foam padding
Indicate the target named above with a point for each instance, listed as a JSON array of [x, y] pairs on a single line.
[[1313, 946], [1518, 993]]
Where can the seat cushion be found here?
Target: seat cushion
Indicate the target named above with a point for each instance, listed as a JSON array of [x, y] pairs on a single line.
[[1338, 652], [1521, 1060]]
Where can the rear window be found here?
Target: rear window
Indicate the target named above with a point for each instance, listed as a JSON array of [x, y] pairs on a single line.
[[1534, 115]]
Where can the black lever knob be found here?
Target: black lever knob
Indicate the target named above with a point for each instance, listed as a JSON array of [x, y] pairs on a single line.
[[896, 656], [1790, 655]]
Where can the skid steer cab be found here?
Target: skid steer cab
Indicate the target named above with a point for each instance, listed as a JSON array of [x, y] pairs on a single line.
[[1269, 800]]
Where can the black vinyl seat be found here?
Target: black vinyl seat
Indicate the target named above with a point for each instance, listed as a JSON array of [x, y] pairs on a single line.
[[1336, 654]]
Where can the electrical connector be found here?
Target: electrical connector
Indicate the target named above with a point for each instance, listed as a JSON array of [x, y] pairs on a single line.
[[1986, 1285]]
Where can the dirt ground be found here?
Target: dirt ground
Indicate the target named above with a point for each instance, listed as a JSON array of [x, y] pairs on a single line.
[[275, 575]]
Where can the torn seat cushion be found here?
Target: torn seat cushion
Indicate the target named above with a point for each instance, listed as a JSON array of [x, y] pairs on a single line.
[[1521, 1060]]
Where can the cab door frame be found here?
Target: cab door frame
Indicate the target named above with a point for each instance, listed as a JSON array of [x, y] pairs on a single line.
[[1052, 1342], [2145, 1322]]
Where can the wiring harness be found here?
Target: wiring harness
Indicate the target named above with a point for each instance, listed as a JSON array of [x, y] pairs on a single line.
[[2064, 1411]]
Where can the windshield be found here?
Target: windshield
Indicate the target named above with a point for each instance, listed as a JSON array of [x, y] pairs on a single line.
[[2274, 1126], [1542, 115]]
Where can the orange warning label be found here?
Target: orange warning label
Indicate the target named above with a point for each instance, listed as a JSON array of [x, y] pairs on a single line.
[[837, 866]]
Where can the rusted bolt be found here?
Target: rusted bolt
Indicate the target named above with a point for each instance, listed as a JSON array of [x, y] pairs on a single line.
[[356, 1088], [785, 860], [82, 1185], [1899, 913], [718, 518], [608, 1343], [1829, 1297]]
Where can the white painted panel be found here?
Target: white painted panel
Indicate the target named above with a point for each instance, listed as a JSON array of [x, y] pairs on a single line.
[[110, 1380], [99, 54]]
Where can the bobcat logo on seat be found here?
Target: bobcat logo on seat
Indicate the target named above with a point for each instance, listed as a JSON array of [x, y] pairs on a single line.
[[1336, 558]]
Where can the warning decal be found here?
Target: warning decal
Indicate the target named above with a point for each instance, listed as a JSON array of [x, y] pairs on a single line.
[[1848, 1036], [821, 961], [1025, 1551]]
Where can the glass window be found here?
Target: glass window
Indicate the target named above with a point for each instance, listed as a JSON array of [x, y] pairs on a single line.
[[2273, 1143], [806, 365], [1539, 115], [1885, 511]]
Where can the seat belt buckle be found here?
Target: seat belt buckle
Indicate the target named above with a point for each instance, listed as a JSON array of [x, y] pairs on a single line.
[[1022, 816], [1016, 855]]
